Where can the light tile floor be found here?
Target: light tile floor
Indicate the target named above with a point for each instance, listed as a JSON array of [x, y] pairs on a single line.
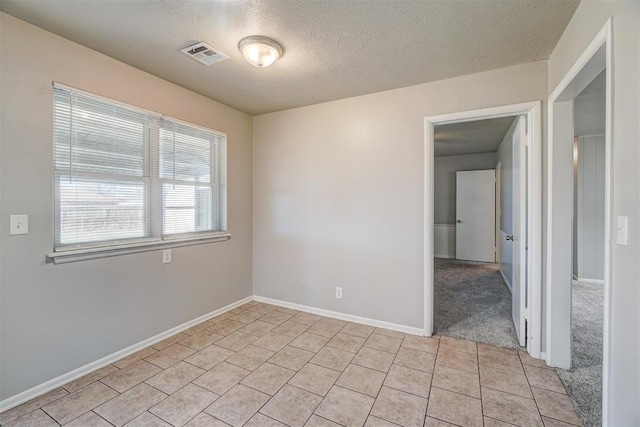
[[261, 365]]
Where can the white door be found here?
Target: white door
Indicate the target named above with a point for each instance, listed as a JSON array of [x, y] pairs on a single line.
[[519, 237], [475, 215]]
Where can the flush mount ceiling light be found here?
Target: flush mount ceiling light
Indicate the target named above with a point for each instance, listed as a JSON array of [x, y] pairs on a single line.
[[260, 51]]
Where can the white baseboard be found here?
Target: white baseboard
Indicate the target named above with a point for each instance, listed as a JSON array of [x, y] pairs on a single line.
[[593, 281], [445, 256], [505, 280], [342, 316], [45, 387]]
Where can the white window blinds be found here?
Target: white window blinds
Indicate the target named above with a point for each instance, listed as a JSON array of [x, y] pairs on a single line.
[[190, 176], [122, 174]]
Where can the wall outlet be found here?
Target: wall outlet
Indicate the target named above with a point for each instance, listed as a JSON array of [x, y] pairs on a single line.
[[339, 293], [166, 256]]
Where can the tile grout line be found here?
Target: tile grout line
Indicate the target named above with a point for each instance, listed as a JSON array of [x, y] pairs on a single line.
[[142, 382], [480, 384], [531, 389], [120, 394], [456, 392], [291, 385], [102, 418], [118, 369], [274, 395], [330, 338], [286, 383], [560, 394], [506, 422], [308, 327], [319, 416], [375, 399], [433, 374], [77, 391], [239, 383], [38, 408], [169, 395], [341, 372], [506, 392], [566, 422], [385, 379], [49, 415]]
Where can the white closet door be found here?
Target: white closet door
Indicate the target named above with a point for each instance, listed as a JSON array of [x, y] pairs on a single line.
[[475, 215]]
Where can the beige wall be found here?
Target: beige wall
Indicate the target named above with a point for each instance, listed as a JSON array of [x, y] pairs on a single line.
[[338, 193], [56, 318], [338, 201], [588, 19]]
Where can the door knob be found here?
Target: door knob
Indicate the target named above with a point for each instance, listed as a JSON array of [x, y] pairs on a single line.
[[459, 221], [509, 237]]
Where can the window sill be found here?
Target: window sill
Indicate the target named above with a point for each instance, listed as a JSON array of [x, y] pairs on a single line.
[[73, 255]]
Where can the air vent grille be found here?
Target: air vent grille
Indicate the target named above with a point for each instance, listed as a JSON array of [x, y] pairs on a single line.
[[204, 53]]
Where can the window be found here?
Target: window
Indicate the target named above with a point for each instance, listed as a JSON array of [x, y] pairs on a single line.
[[126, 177]]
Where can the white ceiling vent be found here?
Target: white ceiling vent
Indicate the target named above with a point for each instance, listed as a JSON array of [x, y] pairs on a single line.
[[204, 53]]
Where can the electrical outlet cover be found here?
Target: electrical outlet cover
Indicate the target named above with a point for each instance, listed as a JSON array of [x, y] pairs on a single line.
[[18, 224]]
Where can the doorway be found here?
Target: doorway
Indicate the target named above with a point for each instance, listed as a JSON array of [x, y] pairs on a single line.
[[472, 296], [529, 314], [578, 292]]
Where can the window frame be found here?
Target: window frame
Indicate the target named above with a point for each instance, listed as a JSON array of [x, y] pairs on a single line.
[[154, 204]]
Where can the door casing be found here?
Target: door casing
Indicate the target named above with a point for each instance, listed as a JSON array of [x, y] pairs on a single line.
[[533, 111], [596, 57]]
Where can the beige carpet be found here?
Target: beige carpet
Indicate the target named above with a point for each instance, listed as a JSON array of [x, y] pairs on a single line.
[[584, 381], [473, 302]]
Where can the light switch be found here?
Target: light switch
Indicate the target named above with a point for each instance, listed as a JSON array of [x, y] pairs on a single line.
[[18, 224], [622, 231]]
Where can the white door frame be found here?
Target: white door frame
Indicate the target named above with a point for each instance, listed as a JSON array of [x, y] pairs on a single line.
[[533, 111], [590, 62], [498, 213]]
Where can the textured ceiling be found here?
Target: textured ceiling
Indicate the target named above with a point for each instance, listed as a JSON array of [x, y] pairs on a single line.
[[480, 136], [333, 48]]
